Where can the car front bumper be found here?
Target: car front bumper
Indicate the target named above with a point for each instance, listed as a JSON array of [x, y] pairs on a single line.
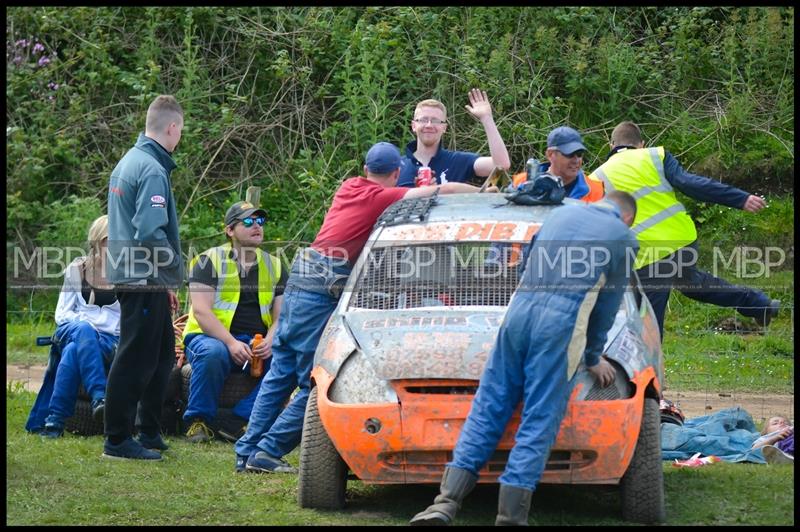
[[411, 441]]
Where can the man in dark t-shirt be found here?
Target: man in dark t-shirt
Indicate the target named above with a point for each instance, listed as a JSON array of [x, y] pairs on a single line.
[[430, 124], [236, 292]]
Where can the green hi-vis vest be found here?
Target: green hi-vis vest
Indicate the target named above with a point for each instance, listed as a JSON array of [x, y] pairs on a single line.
[[226, 295], [662, 224]]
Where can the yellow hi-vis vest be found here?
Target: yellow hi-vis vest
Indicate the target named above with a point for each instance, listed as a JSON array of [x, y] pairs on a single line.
[[662, 224], [226, 295]]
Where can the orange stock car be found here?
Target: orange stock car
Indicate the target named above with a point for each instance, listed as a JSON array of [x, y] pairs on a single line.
[[399, 362]]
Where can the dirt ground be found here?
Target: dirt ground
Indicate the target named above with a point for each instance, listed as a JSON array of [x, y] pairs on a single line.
[[693, 404]]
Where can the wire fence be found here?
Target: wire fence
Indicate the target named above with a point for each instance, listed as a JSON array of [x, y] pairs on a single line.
[[708, 365]]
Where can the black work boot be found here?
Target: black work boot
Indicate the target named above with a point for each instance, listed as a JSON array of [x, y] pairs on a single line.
[[456, 484], [513, 505]]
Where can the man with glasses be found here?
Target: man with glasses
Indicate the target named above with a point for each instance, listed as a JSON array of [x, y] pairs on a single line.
[[667, 236], [317, 278], [430, 124], [236, 292], [565, 151]]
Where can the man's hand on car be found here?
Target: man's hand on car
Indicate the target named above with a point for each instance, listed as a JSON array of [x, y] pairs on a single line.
[[603, 371]]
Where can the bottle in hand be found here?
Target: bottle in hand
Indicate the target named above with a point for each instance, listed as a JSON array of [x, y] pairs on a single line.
[[256, 363]]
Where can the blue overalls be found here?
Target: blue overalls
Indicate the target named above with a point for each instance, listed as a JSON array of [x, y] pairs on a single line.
[[581, 252]]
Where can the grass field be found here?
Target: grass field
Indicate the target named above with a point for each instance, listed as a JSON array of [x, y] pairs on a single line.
[[66, 482]]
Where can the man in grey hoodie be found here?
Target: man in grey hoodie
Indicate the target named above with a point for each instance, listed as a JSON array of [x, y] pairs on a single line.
[[146, 268]]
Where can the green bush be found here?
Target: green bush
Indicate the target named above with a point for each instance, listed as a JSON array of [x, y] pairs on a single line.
[[289, 99]]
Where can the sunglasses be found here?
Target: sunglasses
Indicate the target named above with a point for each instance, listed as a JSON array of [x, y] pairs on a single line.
[[578, 153], [248, 222]]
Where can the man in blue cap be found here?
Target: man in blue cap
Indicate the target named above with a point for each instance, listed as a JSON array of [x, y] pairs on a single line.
[[565, 151], [315, 283]]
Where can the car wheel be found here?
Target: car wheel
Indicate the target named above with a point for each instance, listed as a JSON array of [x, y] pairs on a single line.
[[642, 486], [323, 473]]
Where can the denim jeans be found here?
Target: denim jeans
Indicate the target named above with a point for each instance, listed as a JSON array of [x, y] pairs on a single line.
[[679, 271], [82, 356], [211, 364], [309, 301]]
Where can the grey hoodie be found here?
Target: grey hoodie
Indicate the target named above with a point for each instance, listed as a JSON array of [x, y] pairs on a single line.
[[143, 242]]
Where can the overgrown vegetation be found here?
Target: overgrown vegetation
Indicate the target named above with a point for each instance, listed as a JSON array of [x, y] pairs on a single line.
[[289, 99], [66, 482]]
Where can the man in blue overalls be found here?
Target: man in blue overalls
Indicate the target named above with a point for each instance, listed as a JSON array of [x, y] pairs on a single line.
[[577, 270]]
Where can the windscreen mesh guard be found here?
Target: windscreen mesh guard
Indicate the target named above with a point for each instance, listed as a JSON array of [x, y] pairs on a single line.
[[443, 274], [407, 211]]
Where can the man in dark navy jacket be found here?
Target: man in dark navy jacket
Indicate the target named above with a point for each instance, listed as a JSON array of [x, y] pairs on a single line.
[[429, 124], [667, 234]]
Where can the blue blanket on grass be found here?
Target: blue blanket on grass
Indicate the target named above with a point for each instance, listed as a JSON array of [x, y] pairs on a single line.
[[727, 434]]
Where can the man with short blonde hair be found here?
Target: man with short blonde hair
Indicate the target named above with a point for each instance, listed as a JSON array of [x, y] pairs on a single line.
[[146, 268], [431, 103], [430, 124], [163, 111]]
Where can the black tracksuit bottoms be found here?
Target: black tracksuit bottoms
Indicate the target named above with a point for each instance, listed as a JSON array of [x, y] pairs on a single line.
[[140, 370]]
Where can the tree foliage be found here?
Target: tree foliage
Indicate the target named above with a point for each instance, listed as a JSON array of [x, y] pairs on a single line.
[[289, 99]]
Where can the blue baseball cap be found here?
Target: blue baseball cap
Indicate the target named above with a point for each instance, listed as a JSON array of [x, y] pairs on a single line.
[[566, 140], [383, 158]]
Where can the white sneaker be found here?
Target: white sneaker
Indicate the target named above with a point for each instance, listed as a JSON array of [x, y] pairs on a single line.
[[776, 456]]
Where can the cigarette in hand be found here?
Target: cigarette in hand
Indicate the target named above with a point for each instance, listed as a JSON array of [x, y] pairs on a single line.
[[245, 364]]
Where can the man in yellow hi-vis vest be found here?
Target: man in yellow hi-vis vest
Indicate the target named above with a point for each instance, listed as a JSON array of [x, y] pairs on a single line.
[[236, 292], [667, 236]]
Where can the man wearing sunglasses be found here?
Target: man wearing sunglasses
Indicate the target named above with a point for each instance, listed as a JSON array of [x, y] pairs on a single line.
[[564, 153], [430, 124], [236, 292]]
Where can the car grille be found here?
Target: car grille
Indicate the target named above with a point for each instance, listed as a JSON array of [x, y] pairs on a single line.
[[426, 462], [424, 275]]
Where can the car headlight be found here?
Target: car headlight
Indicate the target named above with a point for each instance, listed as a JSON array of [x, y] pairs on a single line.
[[357, 383]]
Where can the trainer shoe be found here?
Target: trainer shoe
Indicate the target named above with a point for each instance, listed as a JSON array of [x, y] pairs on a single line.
[[152, 442], [773, 455], [261, 462], [52, 430], [98, 409], [199, 432], [129, 449], [241, 463], [769, 312]]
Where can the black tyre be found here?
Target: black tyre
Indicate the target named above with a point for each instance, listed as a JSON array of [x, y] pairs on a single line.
[[82, 422], [172, 410], [642, 486], [236, 387], [323, 473], [227, 426], [186, 377]]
